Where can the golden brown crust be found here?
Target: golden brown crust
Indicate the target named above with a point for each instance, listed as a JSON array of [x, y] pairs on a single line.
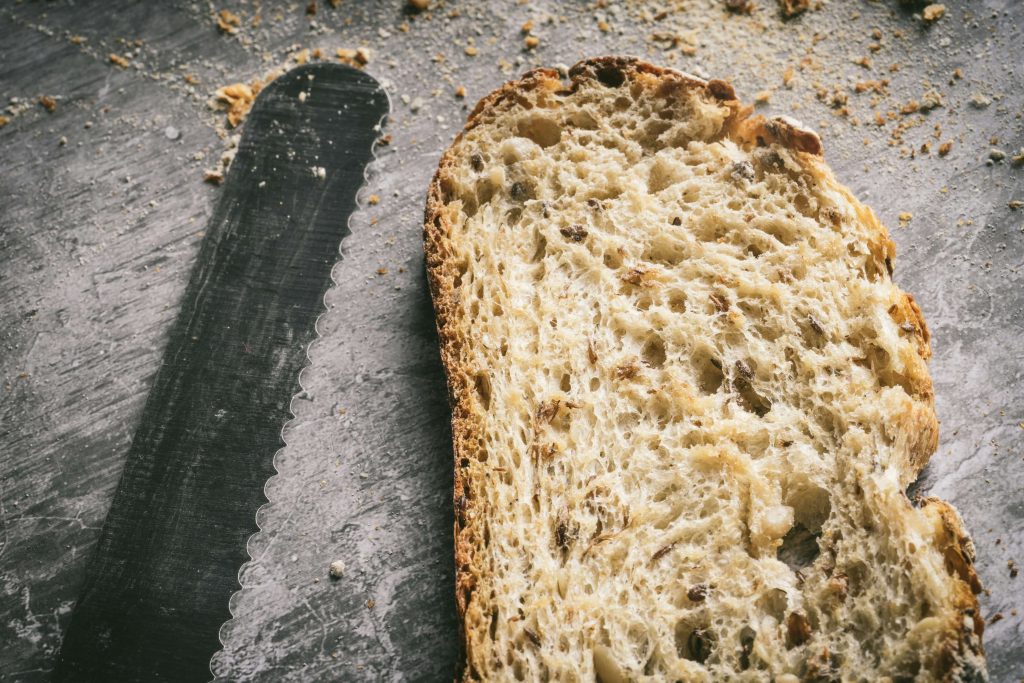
[[443, 274], [962, 644]]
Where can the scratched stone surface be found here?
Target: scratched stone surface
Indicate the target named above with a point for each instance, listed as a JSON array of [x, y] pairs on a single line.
[[102, 209]]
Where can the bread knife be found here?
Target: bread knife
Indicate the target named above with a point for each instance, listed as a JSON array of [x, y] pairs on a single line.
[[157, 588]]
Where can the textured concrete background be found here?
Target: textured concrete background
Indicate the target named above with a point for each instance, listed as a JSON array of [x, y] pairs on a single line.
[[102, 207]]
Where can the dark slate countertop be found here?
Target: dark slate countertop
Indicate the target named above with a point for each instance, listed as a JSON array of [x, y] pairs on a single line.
[[103, 206]]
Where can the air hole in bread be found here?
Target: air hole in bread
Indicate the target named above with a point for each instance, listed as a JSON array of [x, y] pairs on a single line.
[[606, 669], [677, 302], [747, 638], [666, 250], [483, 389], [513, 215], [811, 505], [469, 204], [623, 103], [694, 641], [799, 548], [652, 130], [653, 352], [541, 250], [709, 373], [774, 603], [581, 119], [566, 383], [463, 266], [610, 76], [613, 259], [484, 192], [542, 130], [750, 400]]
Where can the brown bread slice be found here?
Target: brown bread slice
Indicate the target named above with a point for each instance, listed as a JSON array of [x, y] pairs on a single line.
[[687, 398]]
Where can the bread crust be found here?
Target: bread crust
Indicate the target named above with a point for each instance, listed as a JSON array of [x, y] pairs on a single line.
[[963, 651]]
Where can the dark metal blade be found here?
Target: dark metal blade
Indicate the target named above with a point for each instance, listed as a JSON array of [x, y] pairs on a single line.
[[158, 586]]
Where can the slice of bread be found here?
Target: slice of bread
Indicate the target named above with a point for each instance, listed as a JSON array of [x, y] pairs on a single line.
[[687, 399]]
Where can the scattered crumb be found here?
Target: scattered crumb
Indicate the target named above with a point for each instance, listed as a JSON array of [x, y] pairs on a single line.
[[905, 217], [370, 603], [470, 50], [319, 172], [933, 13], [228, 22], [788, 76], [48, 103], [4, 120], [358, 58], [382, 271], [384, 140], [763, 97], [460, 92], [864, 61], [527, 27], [603, 26], [311, 8], [418, 5], [979, 101], [213, 176], [1018, 159], [531, 42], [791, 8], [998, 616], [945, 147], [740, 6], [191, 79], [336, 570], [996, 154], [118, 60], [373, 199], [1015, 205], [238, 99]]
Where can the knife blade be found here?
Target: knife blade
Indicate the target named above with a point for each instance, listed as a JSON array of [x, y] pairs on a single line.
[[157, 588]]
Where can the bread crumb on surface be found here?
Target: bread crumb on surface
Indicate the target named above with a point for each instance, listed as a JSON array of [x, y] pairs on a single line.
[[237, 99], [48, 103], [933, 13], [358, 57], [118, 60], [741, 6], [228, 22], [336, 570], [791, 8]]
